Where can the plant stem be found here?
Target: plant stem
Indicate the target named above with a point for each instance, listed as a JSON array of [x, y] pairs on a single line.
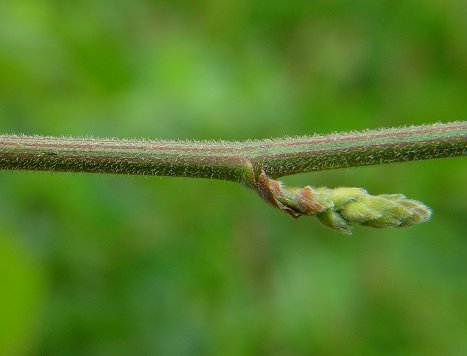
[[364, 148], [235, 161]]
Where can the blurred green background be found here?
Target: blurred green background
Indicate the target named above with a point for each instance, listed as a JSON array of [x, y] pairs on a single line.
[[117, 265]]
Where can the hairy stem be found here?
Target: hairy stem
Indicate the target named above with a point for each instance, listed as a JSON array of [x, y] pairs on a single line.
[[363, 148], [256, 164], [236, 161]]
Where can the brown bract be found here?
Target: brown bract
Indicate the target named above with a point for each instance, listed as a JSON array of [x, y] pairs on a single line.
[[293, 201]]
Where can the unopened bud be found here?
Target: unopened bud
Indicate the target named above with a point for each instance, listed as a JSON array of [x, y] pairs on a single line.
[[339, 208]]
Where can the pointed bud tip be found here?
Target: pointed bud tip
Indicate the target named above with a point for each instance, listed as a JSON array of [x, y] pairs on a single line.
[[420, 213]]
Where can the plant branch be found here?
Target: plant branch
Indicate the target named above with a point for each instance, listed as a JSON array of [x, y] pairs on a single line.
[[235, 161], [341, 150], [256, 163]]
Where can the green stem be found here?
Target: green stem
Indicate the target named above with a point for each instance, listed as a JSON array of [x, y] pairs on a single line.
[[236, 161], [341, 150]]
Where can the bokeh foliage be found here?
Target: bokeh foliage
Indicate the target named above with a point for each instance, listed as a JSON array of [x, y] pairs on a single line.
[[107, 265]]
